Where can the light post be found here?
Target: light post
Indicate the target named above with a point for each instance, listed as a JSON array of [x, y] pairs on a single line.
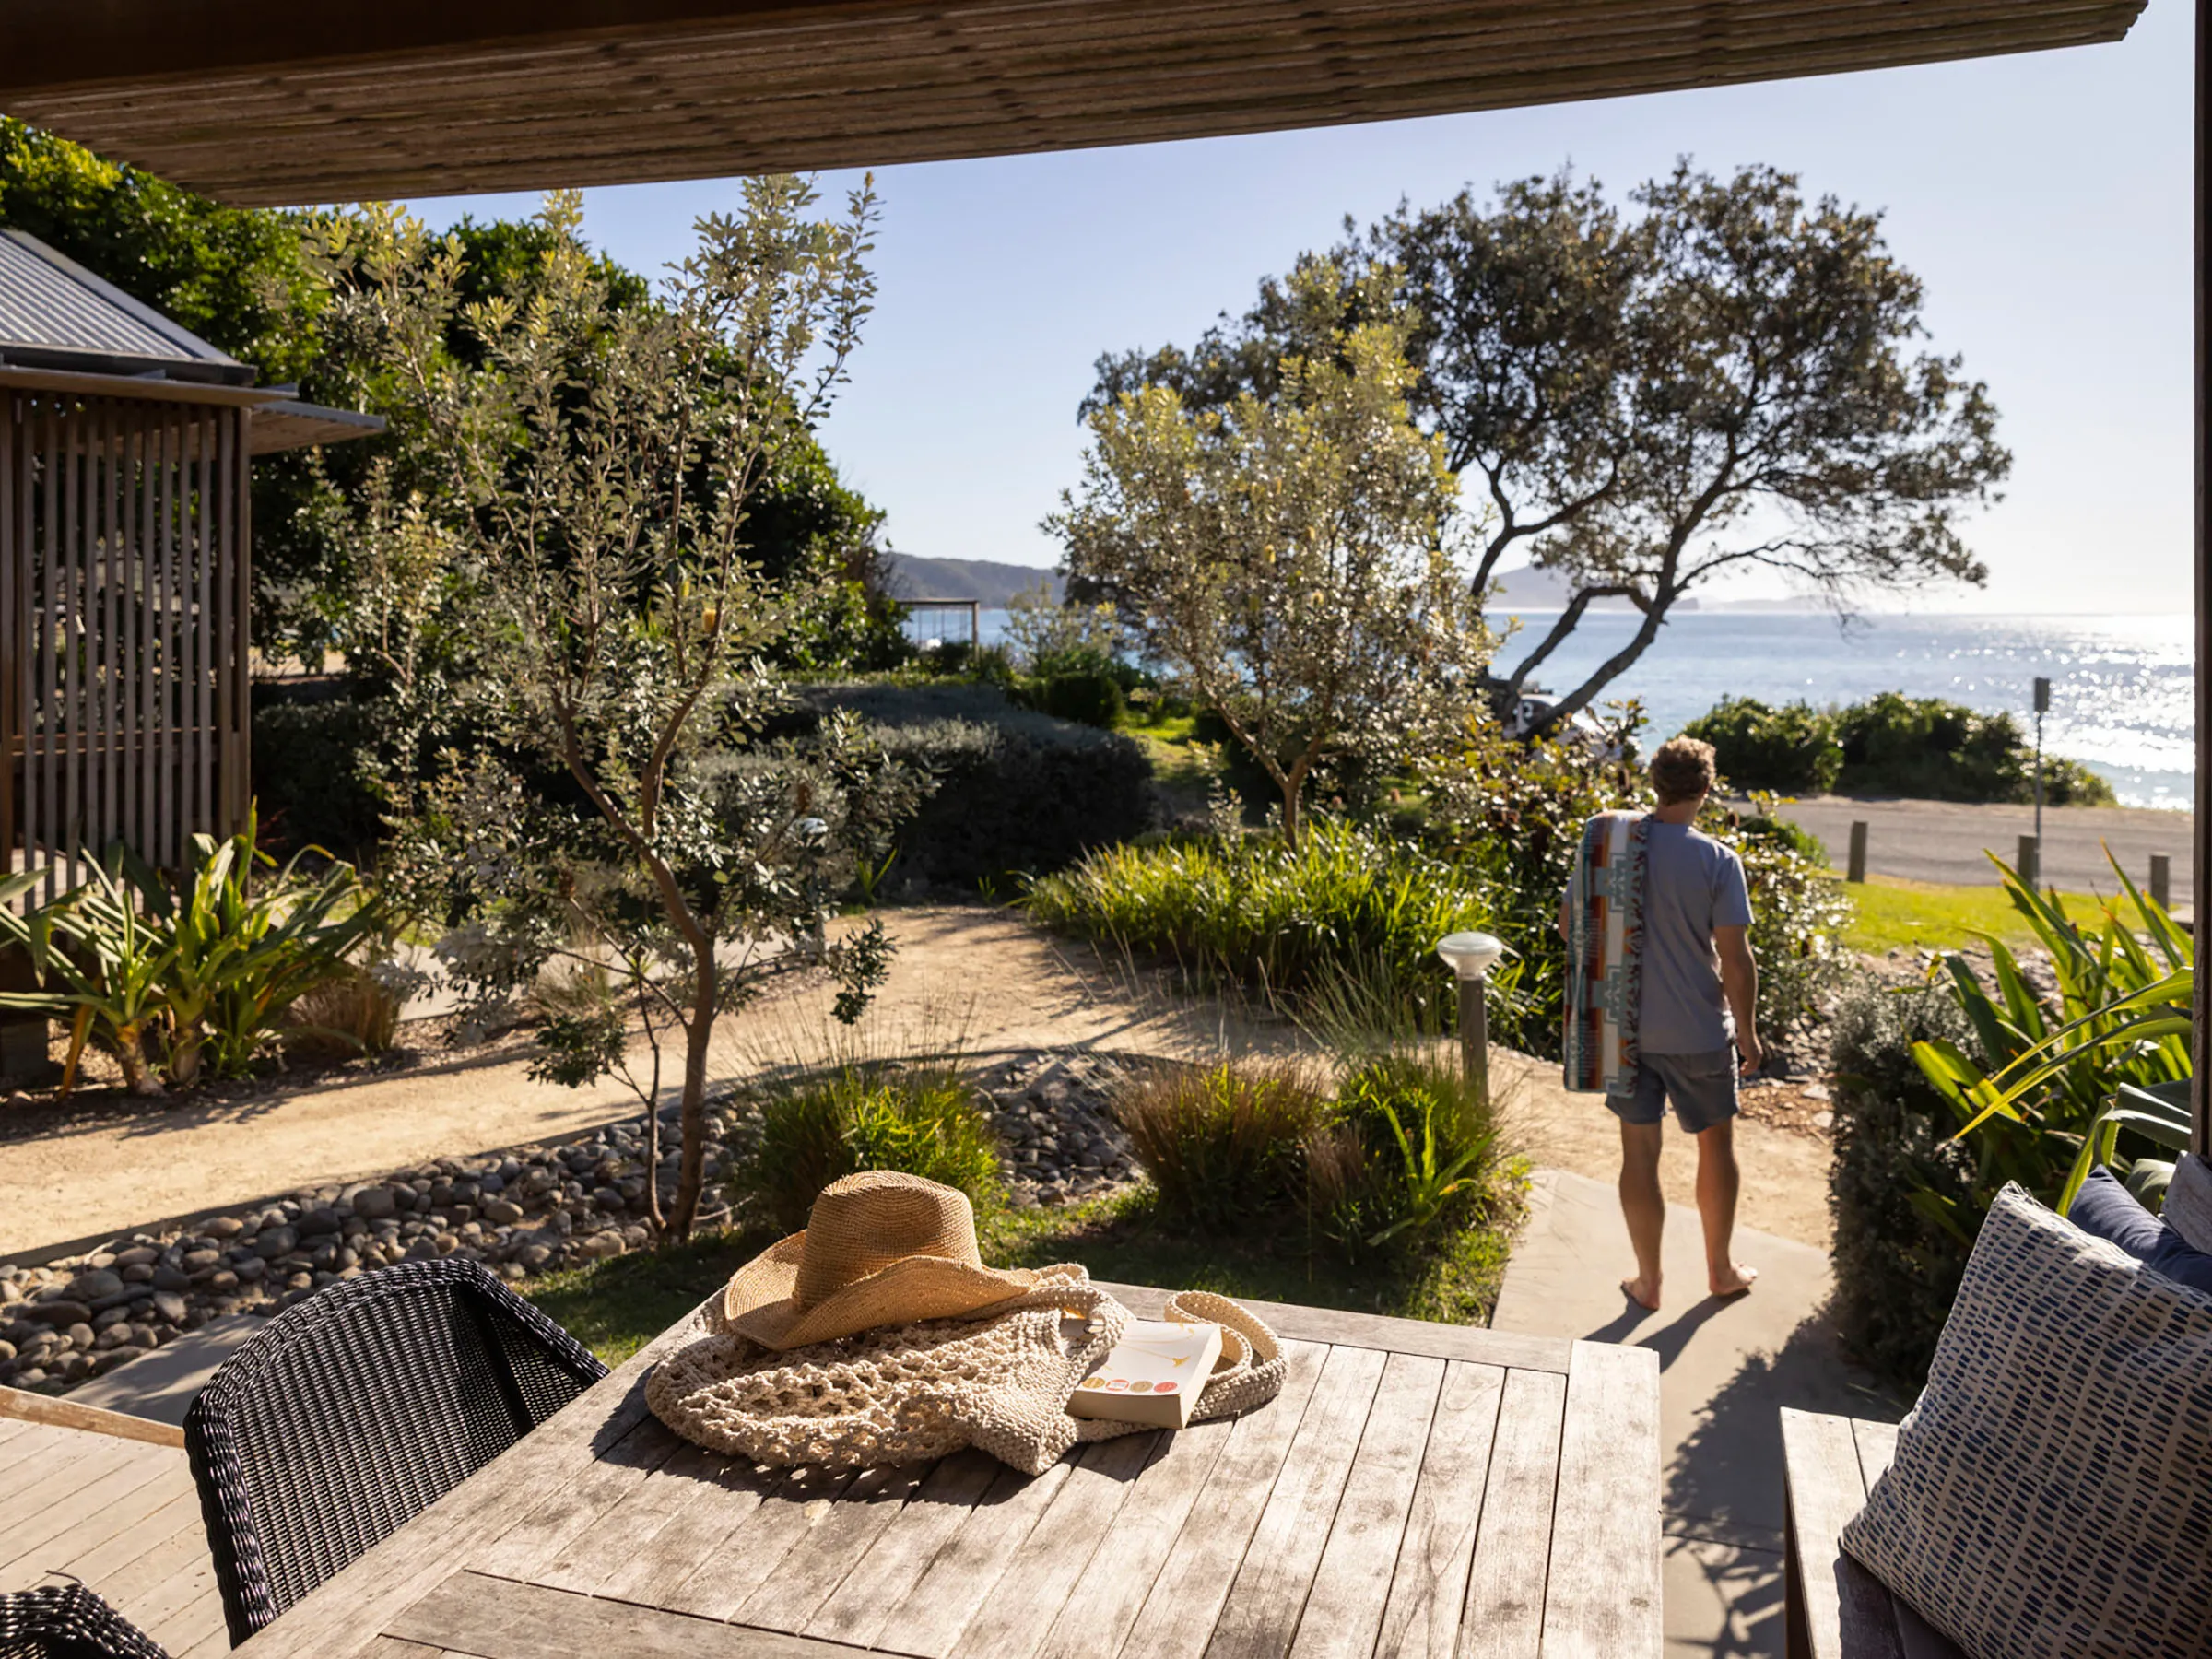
[[1471, 957]]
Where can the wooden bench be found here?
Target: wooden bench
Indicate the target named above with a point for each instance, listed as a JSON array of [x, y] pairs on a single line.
[[1836, 1609]]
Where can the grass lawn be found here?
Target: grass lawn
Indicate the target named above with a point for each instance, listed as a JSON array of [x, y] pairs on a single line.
[[1917, 914], [615, 1307]]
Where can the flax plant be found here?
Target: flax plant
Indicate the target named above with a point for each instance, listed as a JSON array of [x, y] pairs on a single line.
[[2052, 1090]]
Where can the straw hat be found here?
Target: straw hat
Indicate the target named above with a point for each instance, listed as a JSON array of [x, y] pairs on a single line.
[[880, 1248]]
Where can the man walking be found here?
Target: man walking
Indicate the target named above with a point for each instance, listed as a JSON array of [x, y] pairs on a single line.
[[1684, 961]]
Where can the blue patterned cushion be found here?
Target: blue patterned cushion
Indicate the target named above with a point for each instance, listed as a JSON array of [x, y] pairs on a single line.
[[2051, 1494]]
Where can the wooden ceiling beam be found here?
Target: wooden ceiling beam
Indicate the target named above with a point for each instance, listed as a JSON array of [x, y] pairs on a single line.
[[261, 103]]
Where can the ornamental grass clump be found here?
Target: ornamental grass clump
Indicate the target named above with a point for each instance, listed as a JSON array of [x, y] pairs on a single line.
[[922, 1120], [1285, 921], [1224, 1144], [1396, 1154]]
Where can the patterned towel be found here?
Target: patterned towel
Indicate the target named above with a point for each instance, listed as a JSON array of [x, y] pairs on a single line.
[[1605, 953]]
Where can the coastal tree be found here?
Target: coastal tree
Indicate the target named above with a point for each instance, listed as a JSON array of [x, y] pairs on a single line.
[[1285, 555], [1723, 378], [617, 811]]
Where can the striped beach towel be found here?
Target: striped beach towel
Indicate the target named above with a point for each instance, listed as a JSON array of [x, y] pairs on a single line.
[[1605, 953]]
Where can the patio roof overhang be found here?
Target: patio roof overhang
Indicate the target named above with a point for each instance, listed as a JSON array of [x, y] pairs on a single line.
[[268, 102]]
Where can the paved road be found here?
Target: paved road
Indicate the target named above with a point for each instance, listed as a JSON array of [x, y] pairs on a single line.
[[1934, 841]]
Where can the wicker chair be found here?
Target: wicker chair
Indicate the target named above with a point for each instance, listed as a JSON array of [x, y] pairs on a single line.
[[67, 1621], [352, 1412]]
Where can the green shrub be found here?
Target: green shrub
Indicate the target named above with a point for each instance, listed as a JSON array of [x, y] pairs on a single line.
[[1799, 914], [1398, 1155], [1897, 1266], [1792, 749], [191, 970], [1225, 1144], [1511, 814], [1251, 911], [923, 1122], [1087, 696], [1017, 791], [1921, 748], [1927, 749], [958, 660], [308, 778], [1762, 825]]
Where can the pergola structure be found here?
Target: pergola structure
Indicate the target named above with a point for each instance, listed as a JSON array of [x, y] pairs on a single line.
[[270, 103], [125, 567], [264, 102]]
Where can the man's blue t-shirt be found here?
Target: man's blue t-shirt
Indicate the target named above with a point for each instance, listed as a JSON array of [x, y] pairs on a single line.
[[1691, 886]]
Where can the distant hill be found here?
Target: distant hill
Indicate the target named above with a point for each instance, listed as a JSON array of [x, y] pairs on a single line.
[[1528, 588], [982, 579]]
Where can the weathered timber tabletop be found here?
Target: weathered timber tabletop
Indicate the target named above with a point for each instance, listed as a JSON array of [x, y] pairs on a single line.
[[1417, 1489]]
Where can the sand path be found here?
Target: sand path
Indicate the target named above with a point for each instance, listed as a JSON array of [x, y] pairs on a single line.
[[975, 978]]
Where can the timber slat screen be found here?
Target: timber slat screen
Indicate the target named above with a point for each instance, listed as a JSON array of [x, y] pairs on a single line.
[[123, 691], [264, 102]]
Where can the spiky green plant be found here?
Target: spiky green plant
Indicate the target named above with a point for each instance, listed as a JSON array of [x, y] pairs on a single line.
[[1287, 922], [2042, 1099]]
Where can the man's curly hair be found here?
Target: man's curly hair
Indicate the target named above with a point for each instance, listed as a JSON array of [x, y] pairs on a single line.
[[1682, 770]]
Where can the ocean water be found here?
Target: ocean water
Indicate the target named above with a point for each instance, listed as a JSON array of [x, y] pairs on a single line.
[[2121, 685]]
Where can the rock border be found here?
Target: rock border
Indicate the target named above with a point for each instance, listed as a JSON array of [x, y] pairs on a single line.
[[525, 1212]]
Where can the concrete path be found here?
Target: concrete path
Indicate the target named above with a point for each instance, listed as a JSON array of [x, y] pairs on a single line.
[[161, 1384], [1785, 1174], [1726, 1368], [1940, 841], [975, 978], [972, 979]]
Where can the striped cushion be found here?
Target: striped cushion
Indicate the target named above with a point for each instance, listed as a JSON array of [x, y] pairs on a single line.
[[2052, 1496]]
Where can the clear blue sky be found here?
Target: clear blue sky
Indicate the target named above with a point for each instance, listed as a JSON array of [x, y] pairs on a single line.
[[2044, 199]]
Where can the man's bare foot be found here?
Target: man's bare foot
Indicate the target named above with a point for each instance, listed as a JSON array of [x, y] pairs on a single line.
[[1644, 1295], [1735, 1279]]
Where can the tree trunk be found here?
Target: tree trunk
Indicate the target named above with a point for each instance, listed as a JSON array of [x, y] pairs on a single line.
[[699, 1031], [1569, 619], [1611, 668]]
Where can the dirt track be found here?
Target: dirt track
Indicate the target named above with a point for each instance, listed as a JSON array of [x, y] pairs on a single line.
[[979, 979], [1936, 841]]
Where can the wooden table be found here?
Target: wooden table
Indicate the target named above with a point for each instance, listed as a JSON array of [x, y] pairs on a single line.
[[1417, 1489]]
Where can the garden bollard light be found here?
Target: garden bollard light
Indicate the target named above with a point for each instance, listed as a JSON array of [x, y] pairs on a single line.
[[2030, 863], [1471, 955], [2161, 881], [1857, 869]]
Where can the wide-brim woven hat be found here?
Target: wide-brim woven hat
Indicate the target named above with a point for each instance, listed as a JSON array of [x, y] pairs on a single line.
[[880, 1248]]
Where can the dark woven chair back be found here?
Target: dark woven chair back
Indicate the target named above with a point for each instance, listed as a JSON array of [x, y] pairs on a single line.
[[68, 1621], [349, 1413]]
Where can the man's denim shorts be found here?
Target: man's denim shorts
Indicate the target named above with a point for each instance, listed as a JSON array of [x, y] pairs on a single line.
[[1702, 1088]]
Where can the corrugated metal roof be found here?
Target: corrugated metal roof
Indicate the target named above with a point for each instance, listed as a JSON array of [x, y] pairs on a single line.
[[56, 314]]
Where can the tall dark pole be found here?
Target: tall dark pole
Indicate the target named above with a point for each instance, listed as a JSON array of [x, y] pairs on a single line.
[[2202, 864]]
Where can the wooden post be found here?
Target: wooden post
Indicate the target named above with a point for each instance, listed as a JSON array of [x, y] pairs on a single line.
[[2029, 864], [2201, 850], [2161, 880], [1857, 868]]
